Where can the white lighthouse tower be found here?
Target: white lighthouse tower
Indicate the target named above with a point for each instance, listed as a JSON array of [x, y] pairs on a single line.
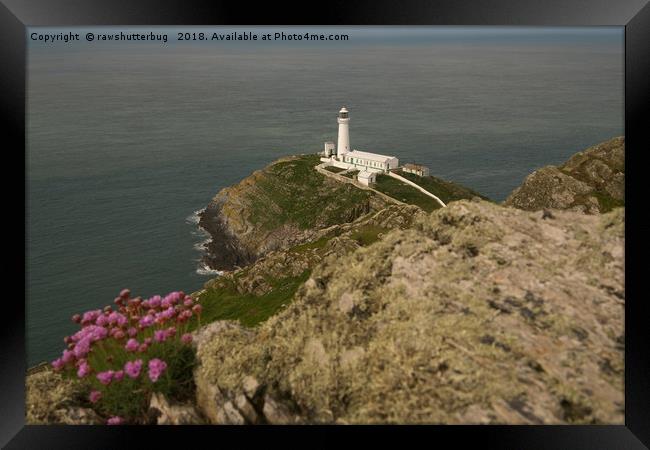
[[343, 146]]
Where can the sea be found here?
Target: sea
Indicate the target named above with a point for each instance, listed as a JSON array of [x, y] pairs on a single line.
[[128, 141]]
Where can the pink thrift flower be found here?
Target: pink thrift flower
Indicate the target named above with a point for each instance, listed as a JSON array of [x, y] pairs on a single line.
[[119, 334], [146, 321], [83, 370], [94, 396], [132, 368], [188, 301], [82, 348], [122, 320], [58, 364], [67, 357], [197, 309], [186, 338], [132, 332], [131, 345], [160, 335], [148, 341], [118, 376], [143, 348], [106, 377], [76, 318], [125, 293], [154, 302], [156, 368], [115, 420]]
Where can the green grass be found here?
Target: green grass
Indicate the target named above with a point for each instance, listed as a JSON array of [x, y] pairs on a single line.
[[367, 234], [405, 193], [293, 192], [334, 169], [606, 202], [444, 190], [317, 244], [225, 303]]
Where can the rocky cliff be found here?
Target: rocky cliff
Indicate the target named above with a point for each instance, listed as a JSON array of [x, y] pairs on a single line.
[[592, 181], [476, 314], [280, 206], [349, 310]]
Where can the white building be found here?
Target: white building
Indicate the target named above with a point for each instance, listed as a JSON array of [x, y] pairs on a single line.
[[367, 178], [329, 149], [417, 169], [370, 161], [354, 159]]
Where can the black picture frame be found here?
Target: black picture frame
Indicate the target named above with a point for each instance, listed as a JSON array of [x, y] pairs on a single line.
[[634, 15]]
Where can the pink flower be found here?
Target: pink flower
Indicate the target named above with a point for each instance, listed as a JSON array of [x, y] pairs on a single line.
[[106, 377], [171, 331], [160, 335], [67, 357], [146, 321], [125, 293], [143, 348], [90, 316], [119, 334], [168, 313], [156, 368], [84, 369], [131, 345], [186, 338], [132, 331], [188, 301], [154, 302], [197, 309], [118, 376], [94, 396], [76, 318], [82, 348], [58, 364], [132, 368], [115, 420], [102, 321]]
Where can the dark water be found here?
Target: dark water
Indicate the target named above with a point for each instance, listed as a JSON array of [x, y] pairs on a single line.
[[126, 142]]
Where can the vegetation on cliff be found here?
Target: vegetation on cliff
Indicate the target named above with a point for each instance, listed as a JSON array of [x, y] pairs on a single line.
[[282, 205], [476, 314], [591, 181], [347, 309]]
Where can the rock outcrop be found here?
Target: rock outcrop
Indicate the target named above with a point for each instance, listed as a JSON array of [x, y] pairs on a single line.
[[280, 206], [51, 399], [592, 181], [477, 314]]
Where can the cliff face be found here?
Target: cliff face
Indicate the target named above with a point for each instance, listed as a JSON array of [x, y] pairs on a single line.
[[592, 181], [280, 206], [477, 314]]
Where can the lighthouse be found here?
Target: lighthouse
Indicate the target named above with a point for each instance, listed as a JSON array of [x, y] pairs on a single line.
[[343, 146]]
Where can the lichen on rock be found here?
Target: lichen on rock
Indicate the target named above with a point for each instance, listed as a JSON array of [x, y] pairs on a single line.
[[591, 181], [477, 314]]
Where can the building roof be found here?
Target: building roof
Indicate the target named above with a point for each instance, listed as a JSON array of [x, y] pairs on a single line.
[[370, 156], [414, 166], [366, 174]]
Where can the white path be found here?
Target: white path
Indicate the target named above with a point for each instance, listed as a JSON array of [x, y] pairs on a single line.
[[419, 188], [321, 169]]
